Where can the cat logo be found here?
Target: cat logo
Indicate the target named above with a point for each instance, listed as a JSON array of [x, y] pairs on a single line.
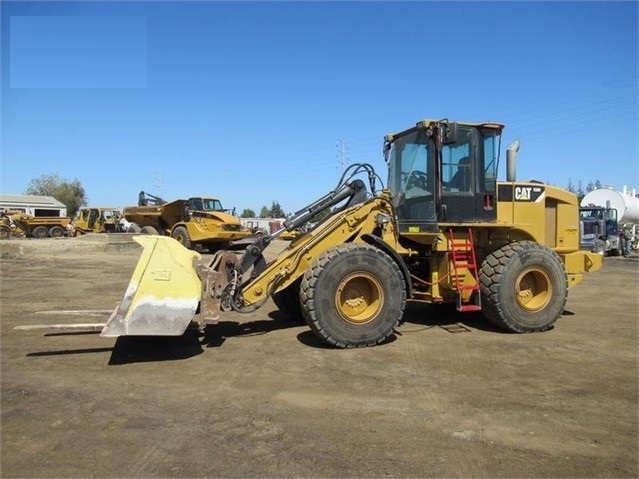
[[529, 193], [522, 193]]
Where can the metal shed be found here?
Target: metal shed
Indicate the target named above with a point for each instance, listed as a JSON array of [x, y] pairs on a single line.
[[33, 205]]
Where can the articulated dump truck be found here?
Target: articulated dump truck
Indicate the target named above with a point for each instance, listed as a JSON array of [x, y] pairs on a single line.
[[198, 221], [443, 230]]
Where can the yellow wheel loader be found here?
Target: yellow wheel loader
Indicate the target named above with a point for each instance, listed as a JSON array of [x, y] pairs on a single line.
[[443, 231]]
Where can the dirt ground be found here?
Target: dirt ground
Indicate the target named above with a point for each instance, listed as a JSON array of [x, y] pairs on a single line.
[[258, 396]]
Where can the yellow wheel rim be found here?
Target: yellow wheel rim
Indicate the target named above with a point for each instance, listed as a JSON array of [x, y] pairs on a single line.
[[533, 289], [359, 298]]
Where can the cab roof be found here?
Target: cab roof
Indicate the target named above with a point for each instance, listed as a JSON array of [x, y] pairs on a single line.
[[429, 122]]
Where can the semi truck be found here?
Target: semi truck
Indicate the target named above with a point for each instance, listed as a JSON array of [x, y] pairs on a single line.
[[603, 212]]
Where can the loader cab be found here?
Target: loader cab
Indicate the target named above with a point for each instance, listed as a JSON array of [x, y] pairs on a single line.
[[443, 172]]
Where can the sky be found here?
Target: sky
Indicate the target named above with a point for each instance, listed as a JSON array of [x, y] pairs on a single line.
[[262, 102]]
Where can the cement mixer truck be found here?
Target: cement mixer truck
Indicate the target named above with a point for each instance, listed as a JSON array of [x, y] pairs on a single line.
[[602, 214]]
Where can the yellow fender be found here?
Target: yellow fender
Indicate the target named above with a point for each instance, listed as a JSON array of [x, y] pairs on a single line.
[[163, 294]]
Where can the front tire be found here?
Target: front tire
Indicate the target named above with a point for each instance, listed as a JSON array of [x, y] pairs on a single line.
[[353, 296], [181, 235], [524, 287]]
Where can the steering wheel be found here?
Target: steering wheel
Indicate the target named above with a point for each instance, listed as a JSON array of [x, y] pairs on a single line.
[[417, 179]]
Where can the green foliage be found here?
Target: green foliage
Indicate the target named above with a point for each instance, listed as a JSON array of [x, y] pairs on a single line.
[[579, 190], [70, 193], [277, 211], [247, 213]]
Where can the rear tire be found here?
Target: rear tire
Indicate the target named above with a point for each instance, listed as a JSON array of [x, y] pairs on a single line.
[[40, 232], [5, 232], [353, 296], [524, 287], [149, 230], [134, 228], [181, 235], [56, 232]]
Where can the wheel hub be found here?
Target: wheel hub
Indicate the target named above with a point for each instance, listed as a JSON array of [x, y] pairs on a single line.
[[533, 289], [359, 298]]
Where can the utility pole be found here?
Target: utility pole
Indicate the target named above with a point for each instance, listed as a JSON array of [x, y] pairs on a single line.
[[158, 183], [343, 148]]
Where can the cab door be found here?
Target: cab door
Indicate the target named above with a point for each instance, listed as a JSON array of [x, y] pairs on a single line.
[[467, 180]]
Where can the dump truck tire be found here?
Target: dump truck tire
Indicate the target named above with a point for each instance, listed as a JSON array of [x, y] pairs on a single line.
[[5, 232], [57, 232], [524, 287], [181, 235], [288, 302], [134, 228], [149, 230], [353, 296], [40, 232]]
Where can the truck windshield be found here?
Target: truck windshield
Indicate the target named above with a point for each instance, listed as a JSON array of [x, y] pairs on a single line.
[[210, 204]]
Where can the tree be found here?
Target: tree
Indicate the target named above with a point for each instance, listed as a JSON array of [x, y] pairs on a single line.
[[580, 191], [264, 212], [247, 213], [277, 211], [70, 193]]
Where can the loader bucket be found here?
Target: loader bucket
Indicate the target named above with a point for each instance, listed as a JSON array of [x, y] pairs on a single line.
[[163, 294]]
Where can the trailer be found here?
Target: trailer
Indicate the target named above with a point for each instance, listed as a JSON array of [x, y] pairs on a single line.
[[20, 224]]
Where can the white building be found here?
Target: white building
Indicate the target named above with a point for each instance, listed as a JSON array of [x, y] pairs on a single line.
[[33, 205]]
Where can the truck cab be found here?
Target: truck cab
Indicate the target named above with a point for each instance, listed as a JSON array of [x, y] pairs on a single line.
[[599, 230]]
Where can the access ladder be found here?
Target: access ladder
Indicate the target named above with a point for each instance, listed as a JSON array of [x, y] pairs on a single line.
[[462, 256]]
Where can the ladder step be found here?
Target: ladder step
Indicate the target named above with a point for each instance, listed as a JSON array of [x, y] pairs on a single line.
[[468, 287], [455, 328], [468, 307], [462, 255]]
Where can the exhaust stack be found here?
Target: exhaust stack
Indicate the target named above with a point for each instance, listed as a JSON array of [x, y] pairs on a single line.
[[511, 161]]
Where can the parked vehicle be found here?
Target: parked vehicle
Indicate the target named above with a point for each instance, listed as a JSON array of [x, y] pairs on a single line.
[[21, 224], [100, 219], [509, 249], [198, 221], [602, 213]]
